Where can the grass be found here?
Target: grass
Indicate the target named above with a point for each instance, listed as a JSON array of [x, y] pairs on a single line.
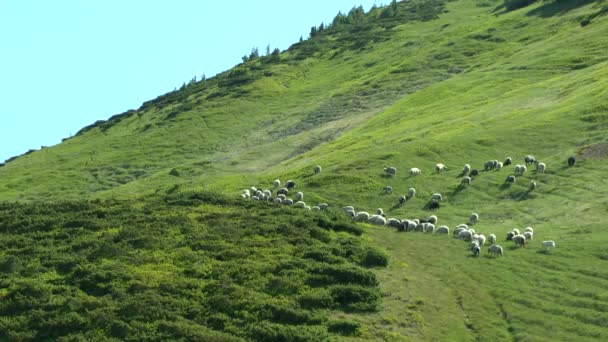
[[475, 84]]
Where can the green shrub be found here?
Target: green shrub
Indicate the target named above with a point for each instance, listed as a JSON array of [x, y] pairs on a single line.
[[355, 297], [373, 257], [345, 328]]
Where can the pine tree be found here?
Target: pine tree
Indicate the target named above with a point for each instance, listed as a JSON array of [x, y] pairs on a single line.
[[268, 50]]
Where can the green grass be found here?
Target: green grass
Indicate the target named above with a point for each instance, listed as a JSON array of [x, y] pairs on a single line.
[[477, 83]]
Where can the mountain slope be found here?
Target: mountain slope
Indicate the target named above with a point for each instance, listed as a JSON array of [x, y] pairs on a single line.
[[476, 83]]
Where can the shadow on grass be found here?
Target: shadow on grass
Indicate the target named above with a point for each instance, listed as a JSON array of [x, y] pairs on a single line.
[[545, 251], [522, 195], [505, 186], [553, 8]]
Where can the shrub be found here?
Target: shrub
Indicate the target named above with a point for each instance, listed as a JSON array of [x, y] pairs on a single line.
[[373, 257], [355, 297], [512, 5], [345, 328]]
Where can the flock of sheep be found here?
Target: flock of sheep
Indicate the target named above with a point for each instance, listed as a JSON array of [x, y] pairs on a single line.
[[428, 225]]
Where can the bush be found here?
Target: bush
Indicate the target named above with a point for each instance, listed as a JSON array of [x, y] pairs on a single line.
[[345, 328], [355, 297], [373, 257], [512, 5]]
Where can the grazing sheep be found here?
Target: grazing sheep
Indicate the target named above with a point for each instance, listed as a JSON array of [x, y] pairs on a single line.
[[323, 206], [495, 250], [377, 220], [436, 197], [429, 228], [278, 200], [481, 239], [407, 225], [432, 219], [529, 235], [402, 199], [362, 216], [283, 191], [532, 185], [434, 206], [388, 189], [519, 240], [348, 208], [299, 196], [474, 173], [350, 213], [517, 169], [510, 179], [516, 231], [490, 164], [415, 171], [458, 230], [411, 192], [255, 198], [510, 235], [267, 193], [522, 169], [276, 183], [466, 180], [316, 208], [317, 169], [491, 239], [548, 244], [299, 204], [475, 250], [465, 235], [463, 225], [253, 189], [508, 161], [282, 197], [391, 170], [307, 207], [393, 222], [466, 169], [442, 230], [571, 161], [290, 184], [288, 201], [380, 212], [541, 167], [440, 167], [529, 229], [474, 217], [499, 166], [529, 159]]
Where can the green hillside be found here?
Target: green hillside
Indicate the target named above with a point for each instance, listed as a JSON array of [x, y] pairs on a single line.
[[409, 85]]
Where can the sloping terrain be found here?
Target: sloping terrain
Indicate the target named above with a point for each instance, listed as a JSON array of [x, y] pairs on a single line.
[[456, 82]]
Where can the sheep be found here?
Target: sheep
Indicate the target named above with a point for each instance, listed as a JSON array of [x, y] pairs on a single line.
[[244, 196], [402, 199], [475, 250], [463, 225], [474, 173], [407, 225], [466, 169], [510, 235], [490, 164], [411, 192], [276, 183], [516, 169], [299, 196], [458, 230], [415, 171], [440, 167], [442, 230], [388, 189], [282, 197], [391, 170], [474, 217], [465, 235], [288, 201], [548, 244], [481, 239], [519, 240], [510, 179], [253, 189], [436, 197], [529, 159], [529, 235], [421, 227], [523, 169], [541, 167], [307, 207], [377, 220], [255, 198], [532, 185], [466, 180], [380, 212], [278, 200], [316, 208], [290, 184], [323, 206], [393, 222], [432, 219], [492, 239], [361, 216], [516, 231], [571, 161], [283, 191], [499, 166], [267, 193], [508, 161], [529, 229], [299, 204], [348, 208], [434, 206], [350, 213], [317, 169], [495, 250]]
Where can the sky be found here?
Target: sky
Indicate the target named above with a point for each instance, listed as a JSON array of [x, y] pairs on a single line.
[[65, 64]]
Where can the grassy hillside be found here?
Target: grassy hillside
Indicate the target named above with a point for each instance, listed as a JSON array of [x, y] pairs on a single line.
[[438, 82]]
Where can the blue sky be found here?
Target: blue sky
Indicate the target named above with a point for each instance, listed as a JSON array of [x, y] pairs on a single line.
[[66, 63]]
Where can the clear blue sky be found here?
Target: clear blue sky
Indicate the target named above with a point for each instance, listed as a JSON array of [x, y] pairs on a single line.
[[66, 63]]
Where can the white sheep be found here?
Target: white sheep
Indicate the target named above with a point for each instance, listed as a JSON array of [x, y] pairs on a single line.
[[440, 167], [529, 229], [498, 165], [481, 239], [458, 230], [492, 239], [278, 200], [391, 170], [415, 171], [281, 196], [463, 225], [442, 230], [541, 167], [508, 161], [548, 244], [533, 185], [348, 208], [283, 191], [379, 211], [529, 235], [393, 222], [411, 192], [516, 231], [510, 179], [307, 207], [288, 201], [466, 180], [276, 183], [350, 213], [316, 208], [299, 196], [474, 217], [432, 219], [388, 189], [519, 240], [517, 169], [436, 197], [323, 206], [402, 199], [317, 169], [495, 250], [299, 204], [466, 169], [361, 216], [429, 228], [377, 220], [465, 235]]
